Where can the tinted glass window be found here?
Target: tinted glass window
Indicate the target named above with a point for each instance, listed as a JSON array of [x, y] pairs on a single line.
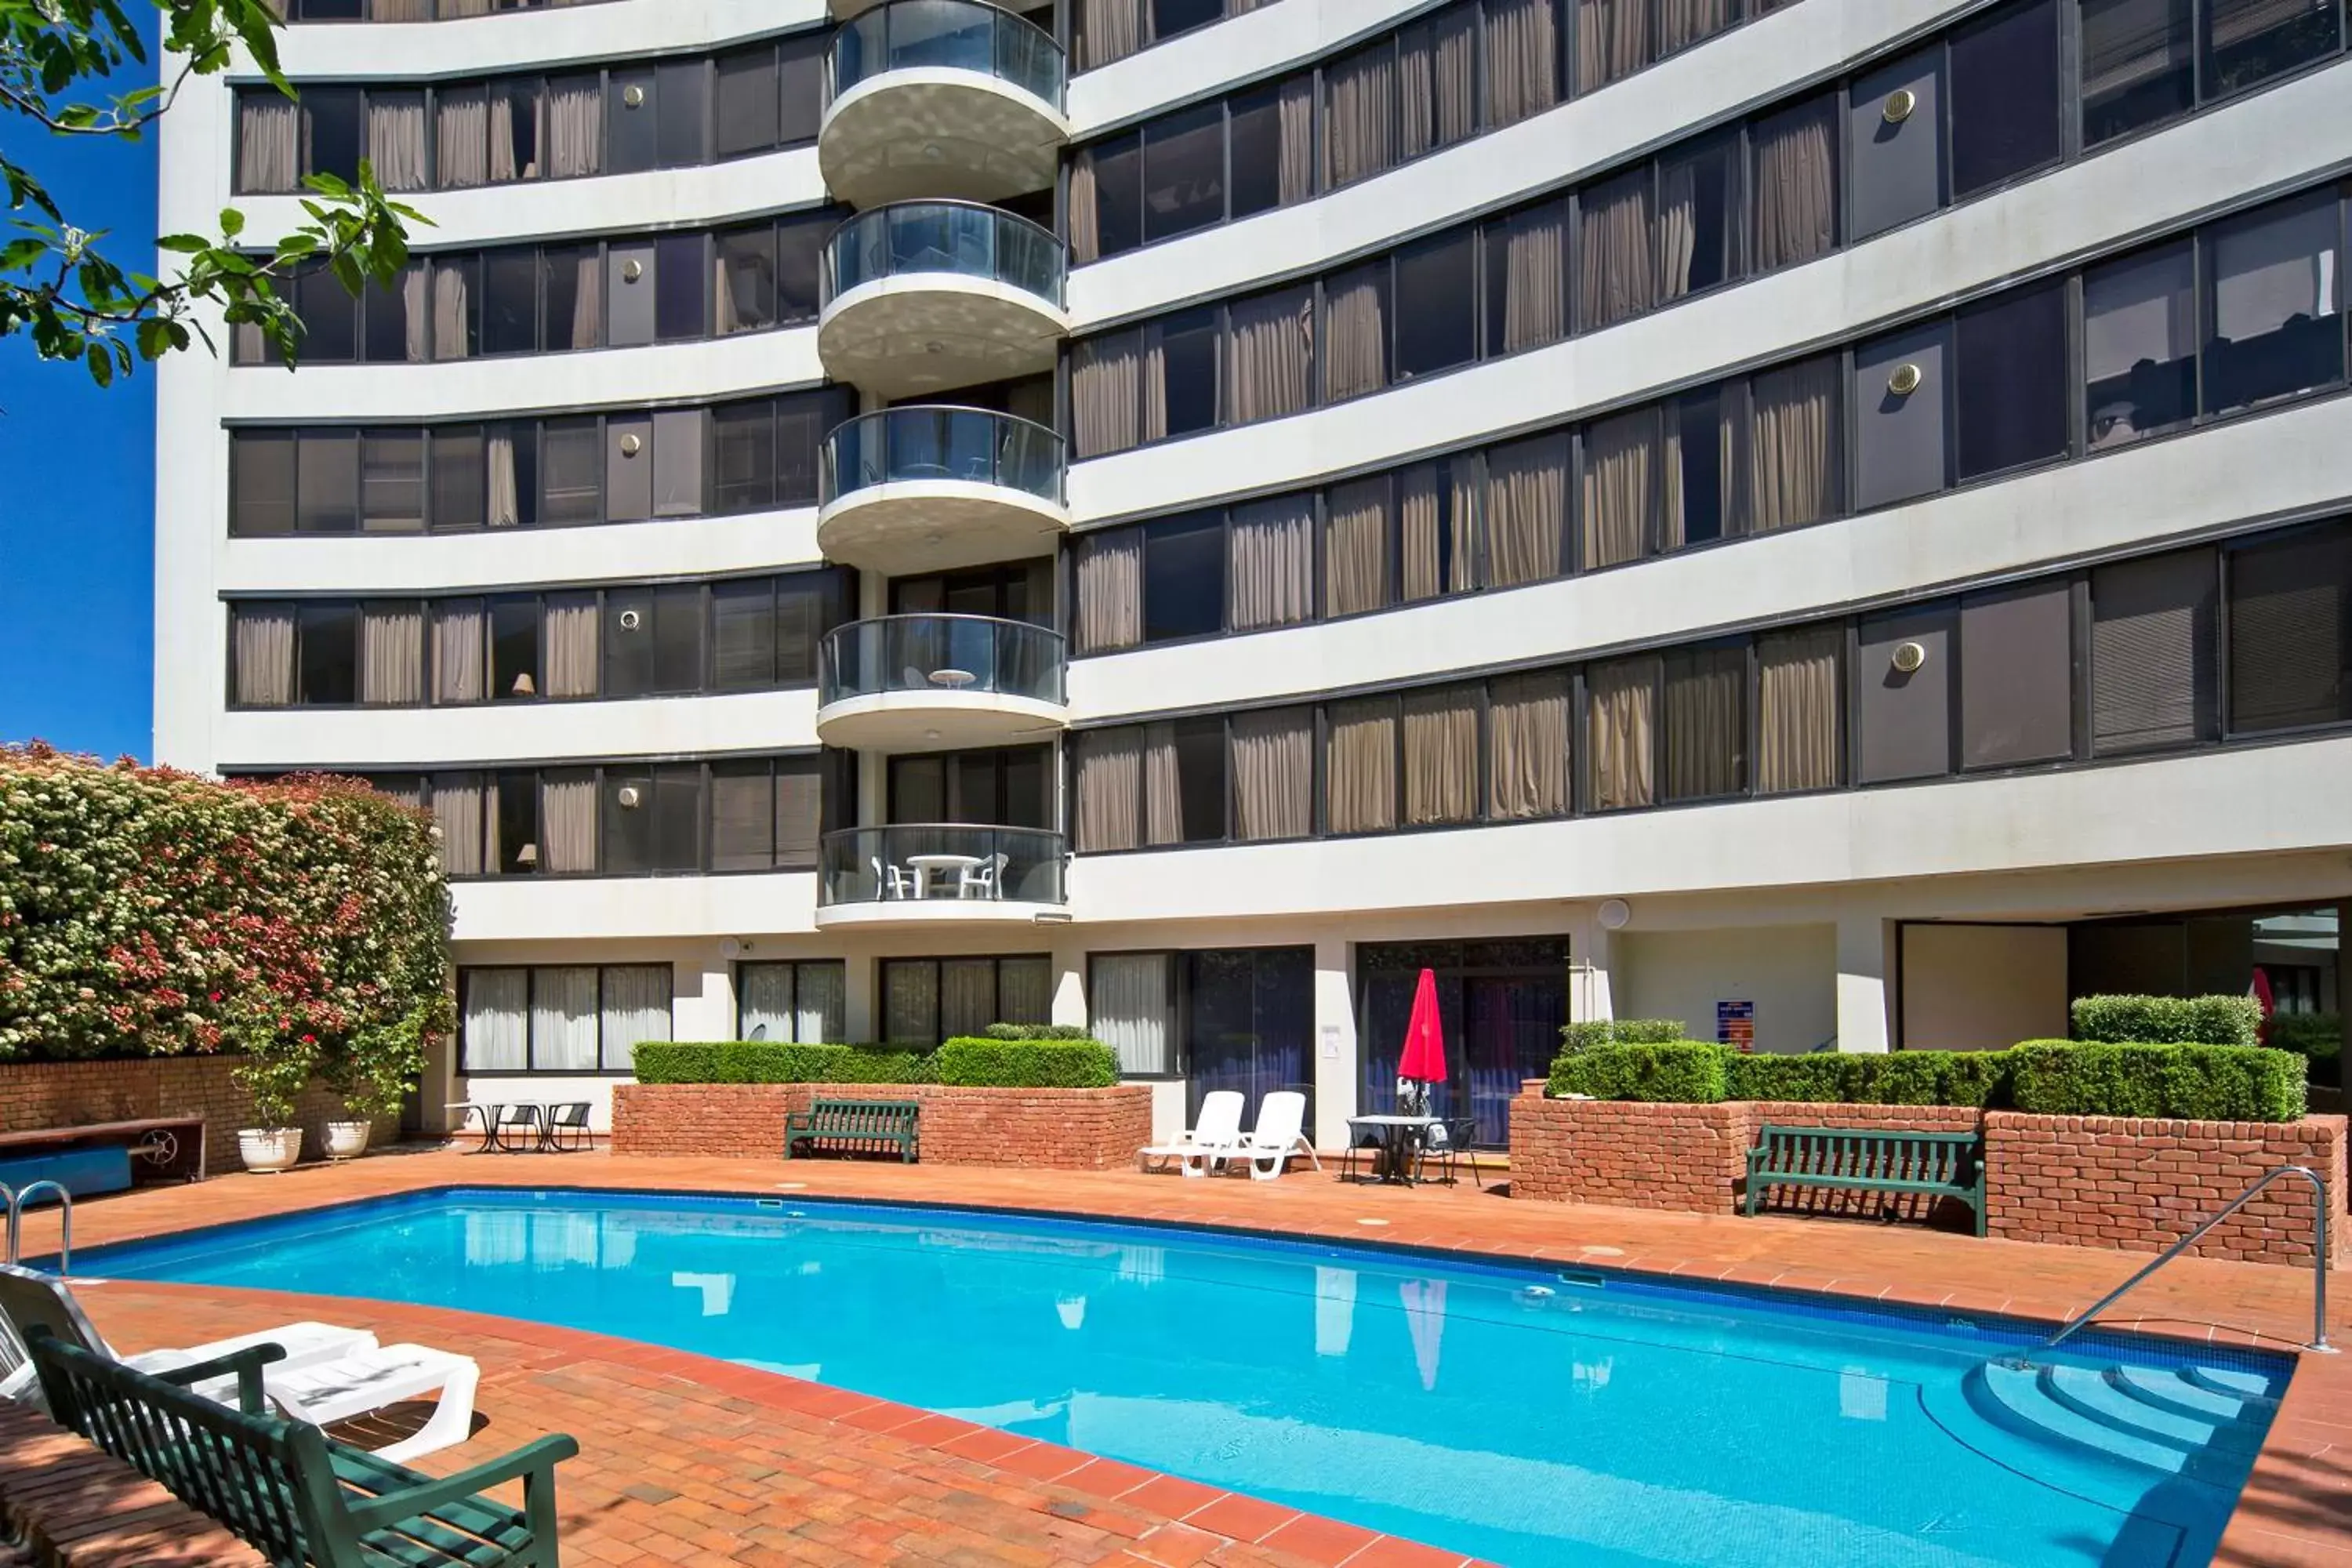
[[1702, 478], [1119, 194], [2139, 344], [1183, 578], [743, 634], [1255, 130], [743, 458], [2272, 328], [1698, 220], [2005, 95], [514, 648], [1188, 352], [385, 339], [261, 482], [746, 101], [1184, 171], [800, 87], [632, 129], [1200, 777], [571, 462], [511, 301], [333, 117], [2247, 41], [517, 815], [457, 478], [328, 640], [2009, 380], [679, 273], [392, 481], [684, 90], [326, 494], [799, 243], [570, 317], [746, 297], [1170, 18], [1437, 304], [331, 318], [2138, 67]]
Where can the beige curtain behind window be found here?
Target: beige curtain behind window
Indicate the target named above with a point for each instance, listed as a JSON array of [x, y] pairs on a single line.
[[1795, 187], [1294, 163], [1707, 722], [1431, 563], [467, 827], [1270, 577], [567, 822], [1106, 393], [1438, 81], [417, 308], [1535, 277], [588, 303], [1620, 460], [395, 141], [1110, 789], [1798, 693], [265, 655], [1111, 590], [1164, 786], [1274, 770], [1677, 227], [461, 126], [392, 653], [404, 11], [504, 509], [1086, 237], [513, 104], [460, 651], [1355, 333], [1674, 518], [451, 314], [1612, 39], [1620, 707], [1270, 355], [1527, 745], [1355, 548], [1793, 445], [1359, 766], [1526, 510], [1522, 59], [575, 128], [1614, 267], [1682, 23], [1112, 29], [1359, 116], [269, 142], [570, 622], [1441, 755]]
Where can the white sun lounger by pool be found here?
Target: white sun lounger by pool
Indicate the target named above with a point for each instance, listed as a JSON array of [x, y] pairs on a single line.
[[1212, 1138], [328, 1373], [1280, 1133]]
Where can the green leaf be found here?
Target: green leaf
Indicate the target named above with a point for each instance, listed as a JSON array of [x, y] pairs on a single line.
[[101, 366], [232, 222], [184, 244]]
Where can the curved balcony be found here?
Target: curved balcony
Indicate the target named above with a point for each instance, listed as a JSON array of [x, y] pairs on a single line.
[[942, 98], [922, 296], [904, 683], [946, 873], [927, 489]]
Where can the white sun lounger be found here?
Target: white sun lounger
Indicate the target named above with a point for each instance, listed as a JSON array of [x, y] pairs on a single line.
[[1280, 1133], [1210, 1138], [328, 1373]]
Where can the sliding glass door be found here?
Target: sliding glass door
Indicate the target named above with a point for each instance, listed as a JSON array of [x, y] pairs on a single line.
[[1501, 1004]]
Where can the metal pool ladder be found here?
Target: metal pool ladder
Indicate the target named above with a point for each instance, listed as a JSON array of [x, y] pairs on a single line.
[[2318, 1345], [16, 1202]]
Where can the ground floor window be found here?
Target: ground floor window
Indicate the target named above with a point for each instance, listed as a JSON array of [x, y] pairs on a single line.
[[560, 1019], [928, 1000], [1237, 1018], [807, 1003], [1502, 1004]]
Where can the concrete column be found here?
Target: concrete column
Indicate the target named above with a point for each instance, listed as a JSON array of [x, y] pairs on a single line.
[[1069, 956], [1592, 990], [861, 1009], [1863, 971], [1335, 1043]]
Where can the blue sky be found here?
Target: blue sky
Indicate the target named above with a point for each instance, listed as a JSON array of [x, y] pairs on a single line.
[[76, 488]]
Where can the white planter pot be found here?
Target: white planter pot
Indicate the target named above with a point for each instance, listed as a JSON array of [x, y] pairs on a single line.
[[347, 1140], [269, 1149]]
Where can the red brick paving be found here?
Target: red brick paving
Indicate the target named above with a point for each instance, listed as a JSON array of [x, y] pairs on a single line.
[[754, 1468]]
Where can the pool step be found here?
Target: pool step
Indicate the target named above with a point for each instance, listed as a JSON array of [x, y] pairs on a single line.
[[2140, 1418]]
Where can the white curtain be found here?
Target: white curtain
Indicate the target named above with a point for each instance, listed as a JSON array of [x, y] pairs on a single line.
[[497, 1020], [265, 655], [461, 149], [763, 1006], [575, 128], [1024, 990], [821, 1004], [563, 1018], [268, 141], [395, 139], [453, 336], [392, 653], [636, 1007], [1270, 579], [460, 672], [1133, 1010]]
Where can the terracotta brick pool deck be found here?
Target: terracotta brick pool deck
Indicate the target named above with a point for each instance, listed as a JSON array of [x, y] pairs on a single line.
[[692, 1461]]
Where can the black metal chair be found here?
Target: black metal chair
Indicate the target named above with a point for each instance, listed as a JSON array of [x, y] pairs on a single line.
[[518, 1128], [567, 1128], [1447, 1143], [1362, 1139]]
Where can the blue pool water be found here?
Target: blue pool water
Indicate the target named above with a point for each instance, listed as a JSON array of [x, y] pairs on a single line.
[[1515, 1413]]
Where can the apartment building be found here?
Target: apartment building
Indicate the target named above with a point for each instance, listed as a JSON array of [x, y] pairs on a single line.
[[1831, 521]]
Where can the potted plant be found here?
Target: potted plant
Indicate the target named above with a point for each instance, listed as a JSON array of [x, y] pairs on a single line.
[[371, 1071], [274, 1073]]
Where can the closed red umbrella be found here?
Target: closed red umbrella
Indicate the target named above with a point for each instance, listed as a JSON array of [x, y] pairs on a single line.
[[1424, 1037]]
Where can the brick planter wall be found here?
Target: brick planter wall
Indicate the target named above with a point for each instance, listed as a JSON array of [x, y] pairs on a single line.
[[1948, 1213], [1056, 1129], [2139, 1184], [35, 1095], [1628, 1153], [67, 1505]]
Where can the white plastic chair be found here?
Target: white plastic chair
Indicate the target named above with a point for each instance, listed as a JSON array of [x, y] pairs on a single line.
[[1210, 1139], [1281, 1132], [894, 880], [984, 880]]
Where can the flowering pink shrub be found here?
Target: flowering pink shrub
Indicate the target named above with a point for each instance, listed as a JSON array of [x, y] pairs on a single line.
[[149, 911]]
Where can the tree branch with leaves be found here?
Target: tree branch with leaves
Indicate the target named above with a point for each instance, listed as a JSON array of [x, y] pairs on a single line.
[[56, 59]]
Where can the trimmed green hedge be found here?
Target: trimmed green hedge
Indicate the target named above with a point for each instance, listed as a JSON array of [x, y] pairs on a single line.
[[1687, 1071], [1897, 1078], [2174, 1020], [2319, 1036], [2201, 1083], [1584, 1037], [776, 1061], [1035, 1032], [1028, 1064]]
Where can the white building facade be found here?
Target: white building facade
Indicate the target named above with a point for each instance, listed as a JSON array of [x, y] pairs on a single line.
[[1830, 521]]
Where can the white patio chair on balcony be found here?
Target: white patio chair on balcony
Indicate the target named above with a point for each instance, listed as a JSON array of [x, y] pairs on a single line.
[[892, 880], [985, 881]]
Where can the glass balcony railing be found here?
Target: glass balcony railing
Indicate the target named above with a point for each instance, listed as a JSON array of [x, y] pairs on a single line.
[[961, 239], [899, 446], [940, 653], [942, 863], [955, 35]]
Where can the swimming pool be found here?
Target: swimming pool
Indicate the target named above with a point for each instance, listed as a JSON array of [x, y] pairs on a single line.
[[1516, 1413]]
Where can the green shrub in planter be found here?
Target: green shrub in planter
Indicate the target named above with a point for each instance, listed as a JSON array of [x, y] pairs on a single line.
[[1594, 1032], [2318, 1035], [2171, 1020], [778, 1062], [1677, 1071], [1027, 1064], [1035, 1032], [1899, 1077], [2200, 1082]]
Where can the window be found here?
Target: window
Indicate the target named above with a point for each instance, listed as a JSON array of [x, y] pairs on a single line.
[[1249, 1022], [261, 482], [514, 647], [1527, 278], [2153, 629], [1799, 700], [327, 638], [511, 301], [1183, 578], [334, 124], [326, 483], [1184, 171], [1702, 467], [2247, 41], [1132, 1001], [800, 251], [1698, 219], [2138, 67], [743, 458], [2005, 95], [1359, 766], [572, 463], [1793, 173], [2009, 380], [396, 324], [1436, 294], [746, 293], [1620, 707], [2272, 328], [804, 1002], [748, 108], [2017, 676], [1254, 128], [651, 819], [799, 84], [743, 634], [1170, 18], [331, 318], [392, 481], [742, 817], [1188, 360], [571, 298], [680, 273], [2290, 609], [654, 641], [577, 1018], [1706, 723], [928, 1000], [1112, 172], [2139, 354]]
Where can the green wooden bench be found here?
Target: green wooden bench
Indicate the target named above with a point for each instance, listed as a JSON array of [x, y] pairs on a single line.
[[1941, 1164], [856, 1126], [302, 1501]]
